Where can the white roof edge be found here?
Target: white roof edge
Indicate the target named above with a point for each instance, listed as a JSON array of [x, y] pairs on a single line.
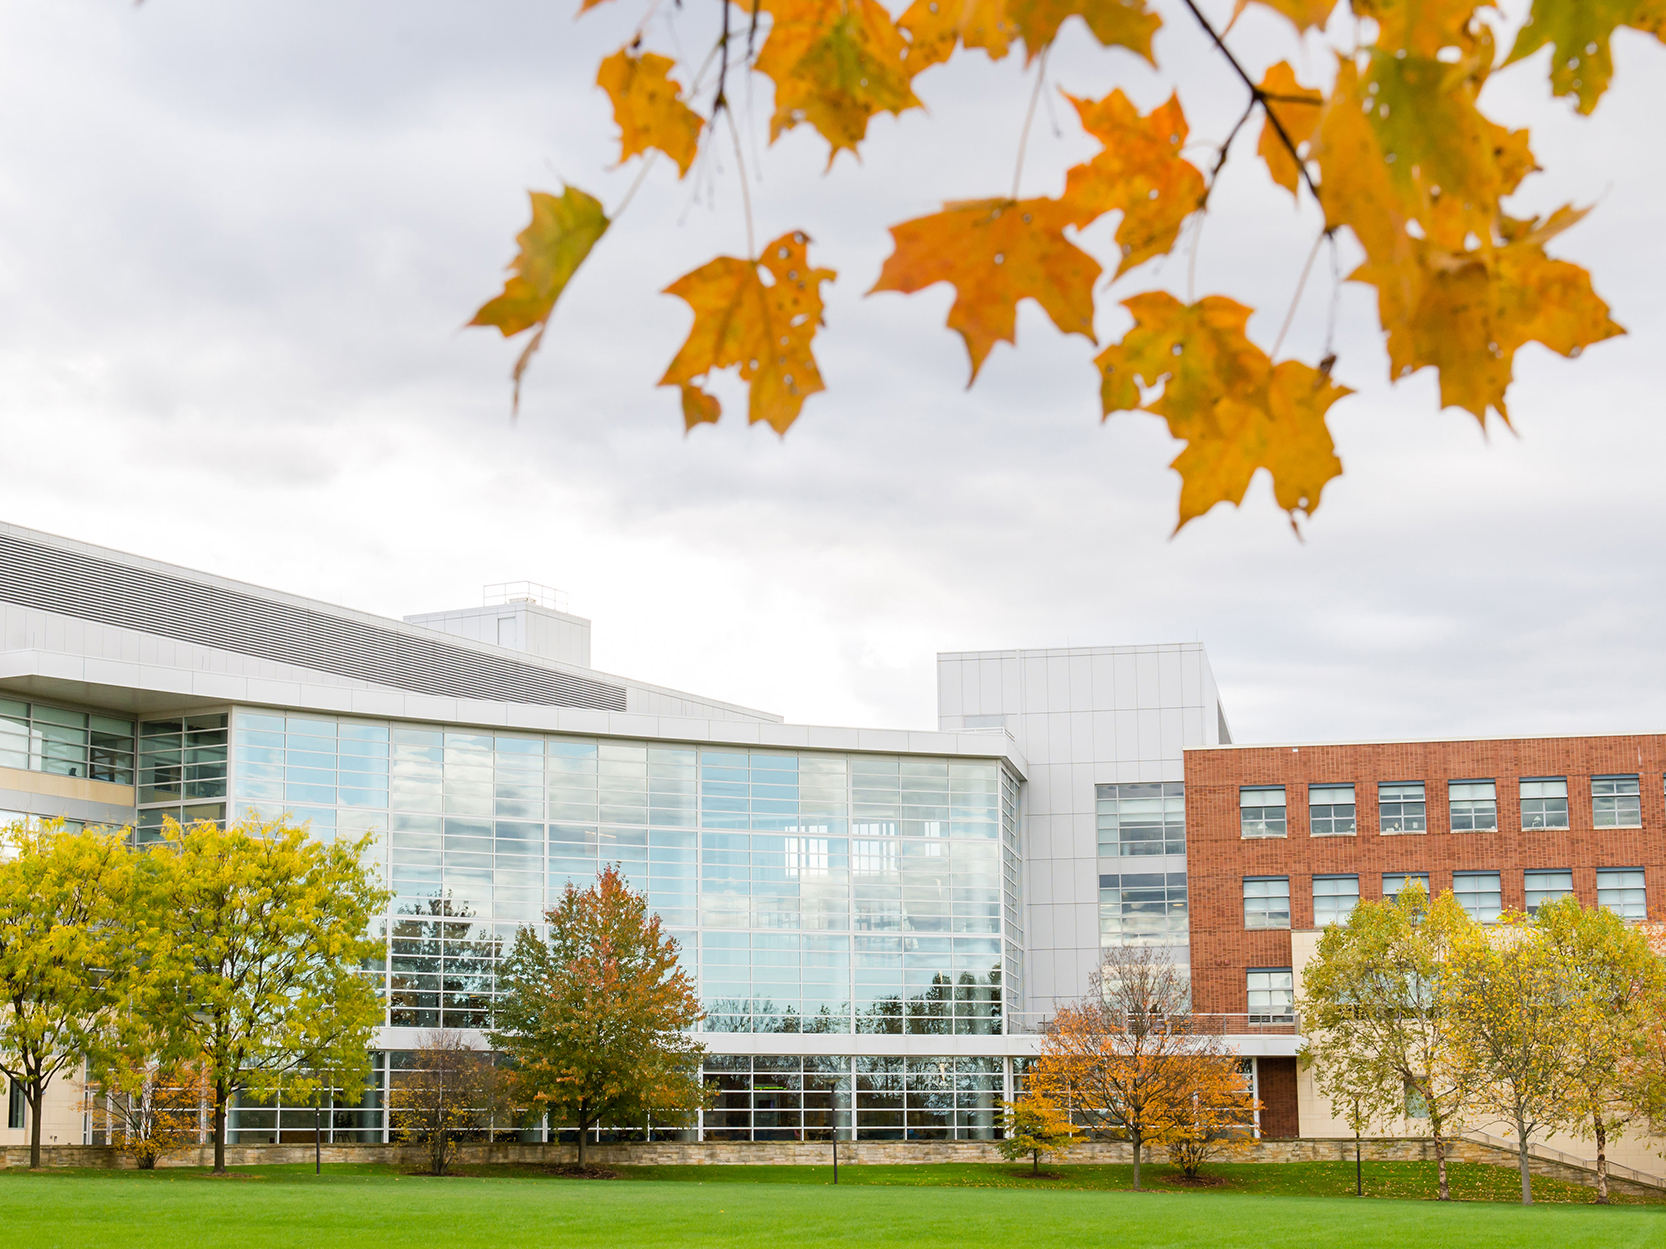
[[362, 617], [1048, 651], [1422, 741]]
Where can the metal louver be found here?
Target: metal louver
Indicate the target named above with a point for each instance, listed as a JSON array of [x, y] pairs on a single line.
[[73, 584]]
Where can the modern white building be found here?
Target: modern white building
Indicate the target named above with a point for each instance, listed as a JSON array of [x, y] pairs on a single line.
[[876, 918]]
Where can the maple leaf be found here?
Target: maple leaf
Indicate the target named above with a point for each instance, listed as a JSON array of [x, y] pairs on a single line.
[[1579, 31], [995, 252], [934, 27], [765, 329], [1298, 118], [835, 63], [1140, 171], [1115, 23], [1304, 14], [1474, 308], [1424, 27], [648, 106], [1225, 399], [563, 230]]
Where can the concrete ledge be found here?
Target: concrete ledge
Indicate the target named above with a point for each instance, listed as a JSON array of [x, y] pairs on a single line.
[[805, 1153]]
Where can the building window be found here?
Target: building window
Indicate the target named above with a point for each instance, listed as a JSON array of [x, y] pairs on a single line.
[[16, 1108], [1400, 807], [1474, 806], [1143, 909], [1333, 899], [1544, 802], [1261, 811], [1141, 819], [1545, 887], [1394, 882], [1620, 889], [1266, 902], [1330, 810], [1272, 995], [1480, 894], [1616, 802]]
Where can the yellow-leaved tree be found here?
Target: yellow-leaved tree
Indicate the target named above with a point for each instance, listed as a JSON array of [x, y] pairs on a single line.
[[1388, 140]]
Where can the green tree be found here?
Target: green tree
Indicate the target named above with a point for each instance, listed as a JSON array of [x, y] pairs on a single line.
[[1035, 1125], [66, 951], [1376, 1012], [595, 1019], [1616, 985], [257, 976], [1515, 1009]]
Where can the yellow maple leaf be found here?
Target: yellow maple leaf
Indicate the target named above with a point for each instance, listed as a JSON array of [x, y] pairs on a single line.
[[835, 63], [995, 252], [1289, 103], [1304, 14], [563, 230], [1424, 27], [766, 329], [1474, 308], [648, 106], [1579, 31], [934, 27], [1140, 171], [1224, 398], [1115, 23]]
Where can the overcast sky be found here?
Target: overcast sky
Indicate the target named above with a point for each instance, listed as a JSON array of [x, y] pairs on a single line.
[[237, 243]]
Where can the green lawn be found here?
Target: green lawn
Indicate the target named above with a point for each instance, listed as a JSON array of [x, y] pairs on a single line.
[[916, 1206]]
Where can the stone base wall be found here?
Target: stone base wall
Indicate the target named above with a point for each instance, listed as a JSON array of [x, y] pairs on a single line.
[[792, 1153]]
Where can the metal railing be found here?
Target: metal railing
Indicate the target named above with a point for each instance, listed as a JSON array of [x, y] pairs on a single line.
[[1240, 1024], [1616, 1171]]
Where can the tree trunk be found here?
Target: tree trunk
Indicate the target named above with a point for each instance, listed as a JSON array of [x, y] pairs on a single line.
[[1602, 1162], [1440, 1166], [1526, 1172], [32, 1096], [221, 1096], [583, 1127], [1136, 1137], [1035, 1162]]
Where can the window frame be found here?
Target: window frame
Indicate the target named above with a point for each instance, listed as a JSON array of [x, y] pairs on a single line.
[[1262, 819], [1423, 819], [1316, 788], [1267, 927], [1636, 796], [1497, 879], [1405, 877], [1528, 891], [1452, 813], [1616, 871], [1270, 1016], [1542, 813], [1353, 876]]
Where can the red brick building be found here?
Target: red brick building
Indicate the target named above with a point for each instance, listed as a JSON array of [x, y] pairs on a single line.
[[1283, 838]]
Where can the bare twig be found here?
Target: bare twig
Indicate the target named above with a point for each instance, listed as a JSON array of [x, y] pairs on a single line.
[[1295, 299], [1220, 158], [1029, 117], [745, 193], [1256, 94], [653, 154]]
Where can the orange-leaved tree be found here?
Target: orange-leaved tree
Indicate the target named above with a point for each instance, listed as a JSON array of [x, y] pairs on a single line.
[[1034, 1125], [1388, 141], [1126, 1059], [595, 1017], [1221, 1113]]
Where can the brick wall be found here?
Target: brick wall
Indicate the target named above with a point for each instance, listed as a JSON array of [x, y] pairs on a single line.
[[1218, 858]]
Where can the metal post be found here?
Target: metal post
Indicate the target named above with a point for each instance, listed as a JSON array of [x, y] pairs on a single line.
[[835, 1154], [1359, 1175], [317, 1135]]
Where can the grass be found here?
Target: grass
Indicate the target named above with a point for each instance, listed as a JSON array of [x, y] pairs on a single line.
[[922, 1207]]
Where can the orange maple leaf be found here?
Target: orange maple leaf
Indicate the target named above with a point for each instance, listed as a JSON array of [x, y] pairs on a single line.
[[648, 106], [1115, 23], [563, 230], [934, 27], [765, 329], [1140, 171], [1234, 409], [1289, 103], [835, 63], [1303, 14], [995, 252], [1474, 308]]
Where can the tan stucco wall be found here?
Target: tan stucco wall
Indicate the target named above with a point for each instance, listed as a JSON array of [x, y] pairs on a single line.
[[52, 786]]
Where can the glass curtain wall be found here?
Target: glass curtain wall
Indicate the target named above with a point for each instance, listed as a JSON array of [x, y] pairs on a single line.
[[810, 892]]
